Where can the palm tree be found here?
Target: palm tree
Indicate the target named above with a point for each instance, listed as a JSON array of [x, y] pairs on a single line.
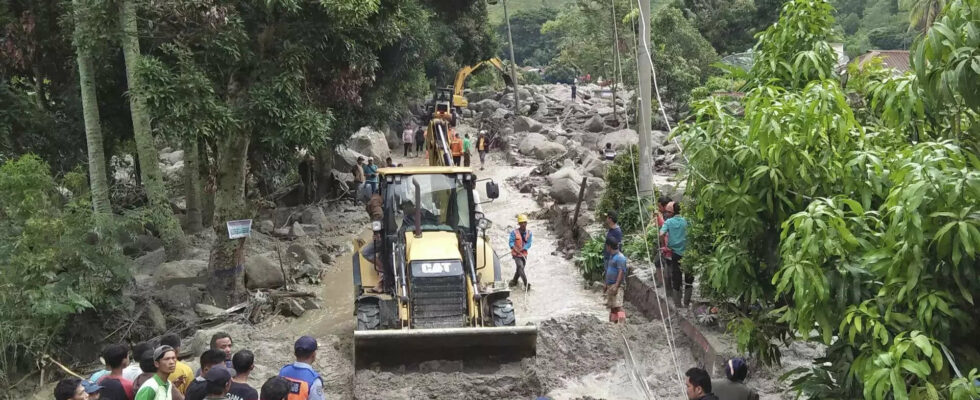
[[90, 112], [923, 13]]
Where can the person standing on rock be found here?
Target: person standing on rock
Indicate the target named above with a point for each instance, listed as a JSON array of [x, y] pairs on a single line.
[[467, 146], [306, 383], [408, 137], [520, 242], [481, 148], [158, 387], [183, 374], [699, 385], [675, 226], [616, 270], [574, 87], [734, 387], [244, 362], [371, 174]]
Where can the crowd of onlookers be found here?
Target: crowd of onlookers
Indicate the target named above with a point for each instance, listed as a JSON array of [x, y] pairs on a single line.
[[152, 371]]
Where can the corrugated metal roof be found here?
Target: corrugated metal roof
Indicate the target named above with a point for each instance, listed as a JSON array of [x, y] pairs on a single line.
[[897, 60]]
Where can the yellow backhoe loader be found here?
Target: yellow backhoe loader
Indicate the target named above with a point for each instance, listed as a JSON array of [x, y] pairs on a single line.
[[444, 295]]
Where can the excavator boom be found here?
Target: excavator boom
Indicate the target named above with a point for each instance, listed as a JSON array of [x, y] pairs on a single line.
[[460, 83]]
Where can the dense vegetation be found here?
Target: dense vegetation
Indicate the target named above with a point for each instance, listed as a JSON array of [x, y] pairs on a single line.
[[846, 216], [240, 86]]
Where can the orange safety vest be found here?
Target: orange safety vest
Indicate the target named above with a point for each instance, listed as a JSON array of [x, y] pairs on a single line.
[[298, 390], [519, 243], [456, 146]]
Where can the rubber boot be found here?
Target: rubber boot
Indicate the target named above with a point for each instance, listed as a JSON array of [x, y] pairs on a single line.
[[687, 295]]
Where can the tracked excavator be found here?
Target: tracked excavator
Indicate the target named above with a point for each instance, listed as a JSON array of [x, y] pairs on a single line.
[[444, 295], [451, 101]]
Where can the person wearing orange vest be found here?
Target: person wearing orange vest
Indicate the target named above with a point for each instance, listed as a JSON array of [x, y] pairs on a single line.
[[520, 242], [456, 147], [304, 382], [482, 147]]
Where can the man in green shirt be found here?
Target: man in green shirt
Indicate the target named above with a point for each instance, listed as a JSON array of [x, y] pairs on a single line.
[[676, 229], [466, 150], [158, 387]]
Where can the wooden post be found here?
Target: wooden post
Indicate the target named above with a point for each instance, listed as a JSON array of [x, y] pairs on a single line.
[[578, 205]]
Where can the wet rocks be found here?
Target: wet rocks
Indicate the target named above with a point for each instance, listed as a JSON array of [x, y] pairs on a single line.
[[526, 124], [314, 216], [621, 139], [263, 273], [565, 185], [207, 310], [266, 226], [595, 124], [181, 270], [297, 230], [537, 145]]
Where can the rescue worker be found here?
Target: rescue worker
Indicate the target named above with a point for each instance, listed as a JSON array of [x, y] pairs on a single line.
[[456, 148], [467, 145], [520, 242], [609, 153], [615, 276], [375, 212], [481, 147], [734, 387], [675, 227], [305, 382]]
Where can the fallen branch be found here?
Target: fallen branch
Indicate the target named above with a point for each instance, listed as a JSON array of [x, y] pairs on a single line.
[[62, 366]]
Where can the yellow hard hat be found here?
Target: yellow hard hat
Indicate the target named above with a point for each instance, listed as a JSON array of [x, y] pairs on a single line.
[[521, 218]]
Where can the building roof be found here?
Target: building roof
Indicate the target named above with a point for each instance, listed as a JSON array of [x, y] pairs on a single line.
[[897, 60]]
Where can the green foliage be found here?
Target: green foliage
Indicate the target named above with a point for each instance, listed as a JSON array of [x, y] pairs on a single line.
[[55, 261], [682, 57], [832, 226], [730, 25], [531, 46], [947, 59], [590, 259], [620, 193]]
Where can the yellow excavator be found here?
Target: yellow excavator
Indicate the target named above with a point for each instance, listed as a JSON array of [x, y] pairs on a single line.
[[459, 101], [443, 295]]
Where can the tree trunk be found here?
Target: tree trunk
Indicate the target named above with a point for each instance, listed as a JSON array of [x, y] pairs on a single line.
[[152, 178], [98, 180], [192, 187], [207, 181], [226, 270]]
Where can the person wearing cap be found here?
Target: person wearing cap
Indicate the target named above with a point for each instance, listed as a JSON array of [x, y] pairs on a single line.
[[158, 387], [520, 242], [114, 385], [92, 389], [210, 359], [613, 231], [734, 387], [70, 389], [481, 148], [675, 226], [218, 381], [307, 384]]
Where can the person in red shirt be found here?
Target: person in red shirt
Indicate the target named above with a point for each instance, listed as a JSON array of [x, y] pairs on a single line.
[[114, 385]]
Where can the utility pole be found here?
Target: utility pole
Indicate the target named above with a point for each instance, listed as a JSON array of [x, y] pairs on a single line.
[[615, 75], [513, 65], [646, 150]]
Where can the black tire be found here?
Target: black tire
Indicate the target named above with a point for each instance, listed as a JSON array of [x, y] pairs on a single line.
[[503, 313], [368, 316]]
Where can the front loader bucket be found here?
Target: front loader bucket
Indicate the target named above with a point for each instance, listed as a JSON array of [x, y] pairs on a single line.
[[401, 346]]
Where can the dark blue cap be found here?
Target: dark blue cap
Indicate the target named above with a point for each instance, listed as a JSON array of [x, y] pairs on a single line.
[[306, 343], [90, 387], [736, 369]]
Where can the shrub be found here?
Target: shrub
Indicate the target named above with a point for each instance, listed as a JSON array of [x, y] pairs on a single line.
[[589, 259], [53, 261]]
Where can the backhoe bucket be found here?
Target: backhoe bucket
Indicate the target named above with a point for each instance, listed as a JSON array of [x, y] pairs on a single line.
[[401, 346]]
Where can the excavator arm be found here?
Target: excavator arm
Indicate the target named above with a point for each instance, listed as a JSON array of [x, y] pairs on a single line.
[[460, 83]]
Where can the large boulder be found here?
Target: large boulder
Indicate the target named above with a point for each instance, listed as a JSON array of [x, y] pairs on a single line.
[[593, 165], [263, 273], [537, 145], [314, 216], [594, 124], [565, 185], [371, 143], [172, 157], [487, 105], [525, 124], [179, 271], [344, 158], [621, 139]]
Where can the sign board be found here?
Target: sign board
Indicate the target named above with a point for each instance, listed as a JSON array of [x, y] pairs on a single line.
[[239, 229]]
